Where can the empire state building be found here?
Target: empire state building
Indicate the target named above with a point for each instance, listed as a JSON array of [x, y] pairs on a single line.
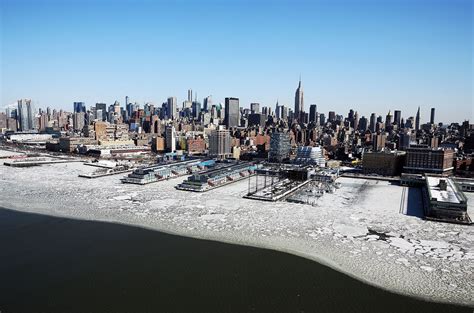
[[299, 101]]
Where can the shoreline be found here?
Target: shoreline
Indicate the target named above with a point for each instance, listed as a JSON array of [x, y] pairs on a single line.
[[312, 257], [318, 233]]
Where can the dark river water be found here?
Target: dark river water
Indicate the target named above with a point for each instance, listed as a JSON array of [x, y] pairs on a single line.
[[50, 264]]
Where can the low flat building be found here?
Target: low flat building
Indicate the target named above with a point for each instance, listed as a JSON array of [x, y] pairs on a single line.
[[149, 174], [446, 201], [70, 144], [214, 178]]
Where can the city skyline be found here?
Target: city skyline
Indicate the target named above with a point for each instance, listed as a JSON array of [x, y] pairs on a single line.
[[368, 56], [430, 113]]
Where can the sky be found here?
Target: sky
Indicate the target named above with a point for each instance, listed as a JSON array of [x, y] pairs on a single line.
[[372, 56]]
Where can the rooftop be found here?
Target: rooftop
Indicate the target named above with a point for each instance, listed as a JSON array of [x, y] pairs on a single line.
[[449, 193]]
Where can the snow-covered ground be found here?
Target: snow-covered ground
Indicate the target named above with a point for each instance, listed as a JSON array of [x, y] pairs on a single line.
[[359, 229]]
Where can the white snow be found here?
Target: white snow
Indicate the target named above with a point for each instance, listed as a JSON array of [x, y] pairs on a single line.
[[358, 229]]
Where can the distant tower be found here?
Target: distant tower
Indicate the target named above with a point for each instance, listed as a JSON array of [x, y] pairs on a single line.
[[372, 122], [432, 117], [299, 103], [397, 117], [207, 103], [356, 121], [25, 115], [172, 108], [232, 110], [313, 110], [417, 119], [388, 119], [190, 95]]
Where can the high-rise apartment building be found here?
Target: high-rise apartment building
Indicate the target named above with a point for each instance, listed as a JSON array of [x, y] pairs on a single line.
[[172, 108], [25, 115], [232, 111], [219, 143]]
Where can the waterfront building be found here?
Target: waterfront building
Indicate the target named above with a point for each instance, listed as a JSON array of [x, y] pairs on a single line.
[[428, 160], [150, 174], [213, 178], [446, 200], [386, 163]]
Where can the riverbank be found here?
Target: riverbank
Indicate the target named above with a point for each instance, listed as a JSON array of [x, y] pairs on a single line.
[[52, 264], [358, 230]]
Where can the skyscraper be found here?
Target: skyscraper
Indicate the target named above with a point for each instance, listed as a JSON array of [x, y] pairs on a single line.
[[356, 121], [397, 117], [372, 122], [388, 120], [190, 95], [299, 103], [313, 110], [432, 117], [25, 115], [219, 143], [79, 107], [417, 119], [232, 110], [332, 116], [255, 107], [172, 107], [207, 103], [101, 111]]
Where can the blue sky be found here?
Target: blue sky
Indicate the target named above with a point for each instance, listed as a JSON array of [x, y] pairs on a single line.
[[368, 55]]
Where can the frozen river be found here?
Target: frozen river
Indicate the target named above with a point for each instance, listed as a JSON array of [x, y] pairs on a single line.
[[364, 229]]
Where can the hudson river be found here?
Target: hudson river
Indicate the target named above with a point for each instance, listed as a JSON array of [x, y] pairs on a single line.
[[50, 264]]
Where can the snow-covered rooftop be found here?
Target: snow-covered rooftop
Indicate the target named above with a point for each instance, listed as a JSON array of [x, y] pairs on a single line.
[[449, 194]]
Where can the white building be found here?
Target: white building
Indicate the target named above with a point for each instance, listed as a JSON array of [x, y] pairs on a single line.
[[170, 136], [310, 155]]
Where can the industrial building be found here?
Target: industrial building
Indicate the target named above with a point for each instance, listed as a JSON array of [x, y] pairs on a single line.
[[155, 173], [214, 178], [388, 163], [427, 160]]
